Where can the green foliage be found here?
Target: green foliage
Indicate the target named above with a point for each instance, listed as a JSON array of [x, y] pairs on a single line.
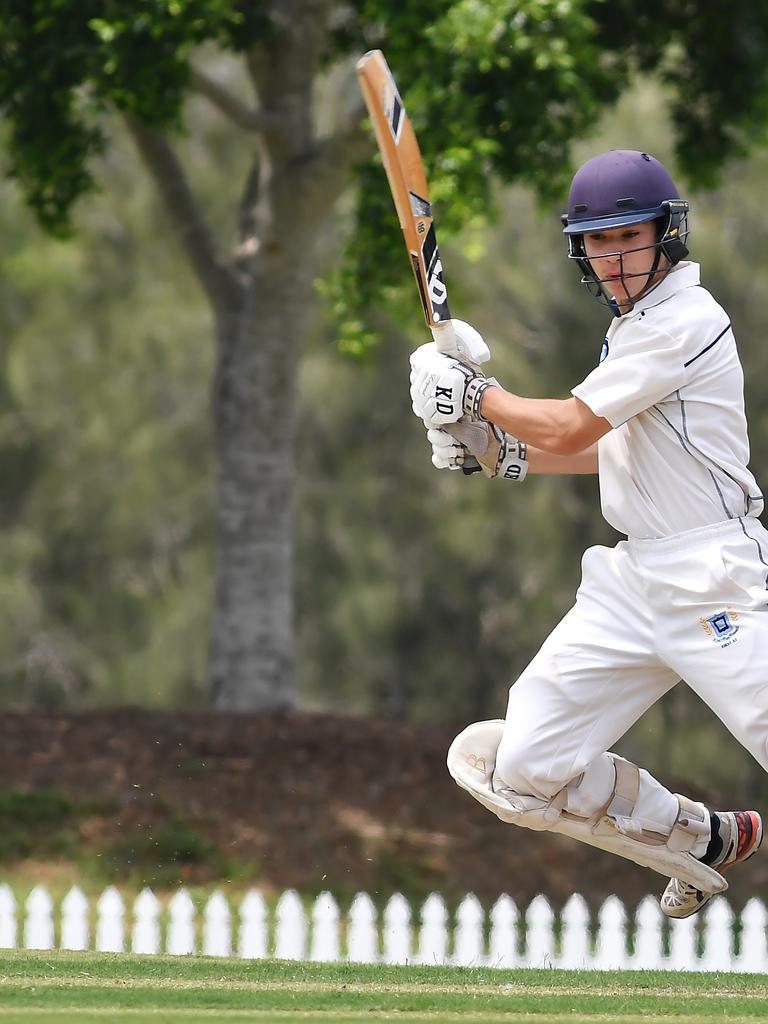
[[496, 88], [62, 63], [103, 431], [160, 854], [37, 822], [713, 58], [400, 868], [501, 89]]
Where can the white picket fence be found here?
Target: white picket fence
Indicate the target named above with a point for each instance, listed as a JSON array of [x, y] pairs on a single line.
[[505, 936]]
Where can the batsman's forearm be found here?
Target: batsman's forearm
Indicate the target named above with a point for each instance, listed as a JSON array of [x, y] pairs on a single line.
[[558, 426], [546, 463]]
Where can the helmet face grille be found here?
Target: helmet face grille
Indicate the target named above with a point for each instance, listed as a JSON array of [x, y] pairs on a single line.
[[671, 243], [619, 189]]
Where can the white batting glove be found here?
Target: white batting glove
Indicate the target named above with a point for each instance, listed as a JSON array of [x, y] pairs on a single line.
[[460, 339], [505, 457], [443, 389], [501, 455], [447, 452]]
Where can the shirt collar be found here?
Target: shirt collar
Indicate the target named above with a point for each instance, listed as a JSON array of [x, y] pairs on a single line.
[[685, 275]]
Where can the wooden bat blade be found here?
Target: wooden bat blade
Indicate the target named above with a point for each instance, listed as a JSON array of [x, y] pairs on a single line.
[[402, 161]]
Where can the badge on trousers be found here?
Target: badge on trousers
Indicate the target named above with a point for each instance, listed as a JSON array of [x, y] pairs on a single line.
[[721, 627]]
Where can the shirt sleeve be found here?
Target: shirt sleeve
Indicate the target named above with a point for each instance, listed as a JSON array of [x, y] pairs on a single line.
[[644, 367]]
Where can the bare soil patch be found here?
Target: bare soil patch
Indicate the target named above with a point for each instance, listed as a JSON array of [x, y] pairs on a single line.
[[304, 801]]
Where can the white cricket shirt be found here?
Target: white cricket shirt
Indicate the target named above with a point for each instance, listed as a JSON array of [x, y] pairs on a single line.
[[671, 384]]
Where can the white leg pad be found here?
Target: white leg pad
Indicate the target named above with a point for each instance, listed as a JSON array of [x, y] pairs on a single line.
[[471, 762]]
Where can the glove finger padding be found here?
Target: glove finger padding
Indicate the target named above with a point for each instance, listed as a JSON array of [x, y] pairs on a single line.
[[447, 452], [499, 454], [440, 386], [421, 355]]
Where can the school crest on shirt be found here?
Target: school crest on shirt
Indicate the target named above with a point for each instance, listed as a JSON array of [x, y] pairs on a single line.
[[603, 351], [721, 628]]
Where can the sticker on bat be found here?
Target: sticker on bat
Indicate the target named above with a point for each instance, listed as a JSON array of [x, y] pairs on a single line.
[[438, 293], [394, 111], [420, 207]]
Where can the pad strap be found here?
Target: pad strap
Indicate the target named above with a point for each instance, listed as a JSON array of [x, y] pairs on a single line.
[[621, 802], [691, 824], [625, 791]]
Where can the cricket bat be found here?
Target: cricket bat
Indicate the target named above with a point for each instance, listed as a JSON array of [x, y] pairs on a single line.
[[402, 161]]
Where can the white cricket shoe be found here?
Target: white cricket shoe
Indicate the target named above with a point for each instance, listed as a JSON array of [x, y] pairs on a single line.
[[741, 833]]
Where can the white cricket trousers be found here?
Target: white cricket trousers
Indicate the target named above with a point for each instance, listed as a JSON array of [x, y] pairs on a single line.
[[648, 613]]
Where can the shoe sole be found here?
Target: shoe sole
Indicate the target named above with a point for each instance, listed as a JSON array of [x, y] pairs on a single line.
[[757, 828]]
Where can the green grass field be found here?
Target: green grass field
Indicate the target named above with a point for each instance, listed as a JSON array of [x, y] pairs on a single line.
[[88, 988]]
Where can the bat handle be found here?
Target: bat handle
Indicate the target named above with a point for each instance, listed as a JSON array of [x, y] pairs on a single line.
[[445, 338], [467, 345]]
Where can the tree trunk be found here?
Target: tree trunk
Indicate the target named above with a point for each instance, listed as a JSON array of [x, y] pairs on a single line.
[[252, 656], [262, 301], [292, 190]]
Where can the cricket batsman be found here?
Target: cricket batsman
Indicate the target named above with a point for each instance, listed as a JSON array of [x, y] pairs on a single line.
[[661, 420]]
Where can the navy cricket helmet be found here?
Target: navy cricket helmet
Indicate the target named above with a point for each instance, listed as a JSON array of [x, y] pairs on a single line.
[[618, 189]]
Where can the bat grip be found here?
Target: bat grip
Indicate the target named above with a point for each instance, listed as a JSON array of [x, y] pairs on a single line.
[[446, 341], [445, 338]]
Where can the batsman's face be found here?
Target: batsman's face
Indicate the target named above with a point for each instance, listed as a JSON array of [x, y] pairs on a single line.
[[623, 258]]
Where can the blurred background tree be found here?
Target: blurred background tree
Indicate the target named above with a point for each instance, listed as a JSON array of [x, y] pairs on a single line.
[[498, 91]]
